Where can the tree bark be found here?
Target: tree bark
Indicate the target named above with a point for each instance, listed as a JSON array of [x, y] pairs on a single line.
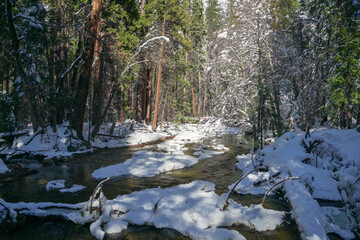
[[98, 82], [20, 70], [204, 112], [122, 104], [199, 100], [159, 79], [149, 100], [184, 90], [193, 94], [82, 90]]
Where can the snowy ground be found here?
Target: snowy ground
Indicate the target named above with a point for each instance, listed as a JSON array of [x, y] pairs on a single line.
[[333, 166]]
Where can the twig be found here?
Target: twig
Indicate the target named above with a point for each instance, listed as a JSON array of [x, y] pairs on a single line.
[[282, 181], [5, 207], [32, 138], [156, 204]]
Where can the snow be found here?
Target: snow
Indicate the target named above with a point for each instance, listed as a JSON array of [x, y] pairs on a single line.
[[147, 163], [55, 184], [190, 209], [74, 188], [60, 185], [3, 167], [332, 166], [62, 143], [306, 211]]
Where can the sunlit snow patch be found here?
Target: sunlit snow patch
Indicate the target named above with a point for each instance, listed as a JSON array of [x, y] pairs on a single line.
[[147, 164], [192, 209]]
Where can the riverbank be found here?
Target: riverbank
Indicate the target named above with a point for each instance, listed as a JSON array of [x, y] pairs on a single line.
[[50, 146], [321, 165]]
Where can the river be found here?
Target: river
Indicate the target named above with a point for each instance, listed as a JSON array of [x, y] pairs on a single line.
[[220, 169]]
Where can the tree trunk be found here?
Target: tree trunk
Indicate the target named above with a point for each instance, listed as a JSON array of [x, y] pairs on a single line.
[[52, 85], [82, 90], [28, 90], [142, 84], [193, 95], [204, 112], [140, 89], [184, 90], [149, 100], [199, 100], [98, 83], [122, 104], [159, 79]]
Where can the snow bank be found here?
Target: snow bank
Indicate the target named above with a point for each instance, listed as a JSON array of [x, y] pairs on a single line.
[[62, 144], [334, 163], [286, 157], [306, 211], [191, 209], [49, 144]]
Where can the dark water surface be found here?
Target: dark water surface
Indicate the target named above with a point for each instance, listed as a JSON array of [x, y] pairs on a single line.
[[219, 169]]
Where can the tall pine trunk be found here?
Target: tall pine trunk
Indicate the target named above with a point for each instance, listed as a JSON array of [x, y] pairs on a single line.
[[28, 90], [82, 91], [149, 100], [193, 94], [98, 84], [159, 79], [199, 99]]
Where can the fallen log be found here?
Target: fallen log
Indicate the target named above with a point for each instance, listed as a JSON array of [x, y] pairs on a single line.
[[151, 142]]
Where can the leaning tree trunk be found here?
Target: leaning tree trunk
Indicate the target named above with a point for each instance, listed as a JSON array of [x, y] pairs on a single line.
[[82, 91]]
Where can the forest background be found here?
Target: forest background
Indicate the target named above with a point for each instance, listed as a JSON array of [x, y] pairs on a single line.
[[272, 64]]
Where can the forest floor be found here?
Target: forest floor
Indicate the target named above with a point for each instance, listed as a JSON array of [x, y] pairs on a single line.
[[308, 168]]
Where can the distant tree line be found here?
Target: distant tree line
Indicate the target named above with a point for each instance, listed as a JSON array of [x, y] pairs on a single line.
[[275, 64]]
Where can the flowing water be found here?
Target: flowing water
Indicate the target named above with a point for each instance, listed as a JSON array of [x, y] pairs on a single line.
[[220, 169]]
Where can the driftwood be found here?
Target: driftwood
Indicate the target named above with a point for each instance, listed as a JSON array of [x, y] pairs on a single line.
[[226, 205], [277, 184], [98, 189], [151, 142]]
